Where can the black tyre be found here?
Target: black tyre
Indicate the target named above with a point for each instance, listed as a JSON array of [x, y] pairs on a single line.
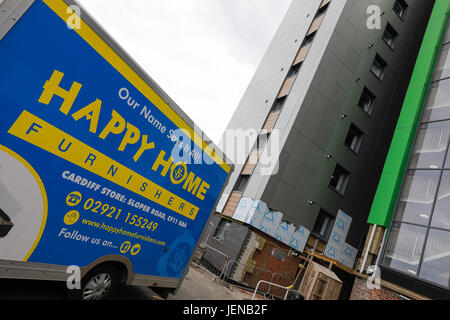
[[98, 284]]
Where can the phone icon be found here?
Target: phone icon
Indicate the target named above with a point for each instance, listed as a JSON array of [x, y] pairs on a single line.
[[73, 199]]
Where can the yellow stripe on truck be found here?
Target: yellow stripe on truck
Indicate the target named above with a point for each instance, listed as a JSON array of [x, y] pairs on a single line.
[[38, 132]]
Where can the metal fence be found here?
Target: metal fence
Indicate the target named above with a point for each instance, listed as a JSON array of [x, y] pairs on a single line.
[[248, 276], [218, 264], [242, 275], [287, 290]]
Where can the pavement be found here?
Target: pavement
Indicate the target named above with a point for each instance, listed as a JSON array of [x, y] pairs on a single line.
[[198, 285], [201, 285]]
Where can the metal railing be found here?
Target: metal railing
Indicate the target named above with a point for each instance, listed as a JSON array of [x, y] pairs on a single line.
[[247, 277], [242, 275], [287, 289], [215, 267]]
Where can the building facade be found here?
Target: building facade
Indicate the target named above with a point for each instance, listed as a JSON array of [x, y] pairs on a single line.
[[327, 96], [411, 211]]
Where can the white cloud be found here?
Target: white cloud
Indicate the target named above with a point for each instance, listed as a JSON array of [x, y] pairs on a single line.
[[203, 53]]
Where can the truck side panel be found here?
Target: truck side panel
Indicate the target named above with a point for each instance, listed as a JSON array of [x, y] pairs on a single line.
[[97, 160]]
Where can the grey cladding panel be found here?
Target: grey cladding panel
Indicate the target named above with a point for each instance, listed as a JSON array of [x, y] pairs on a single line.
[[327, 88], [10, 12]]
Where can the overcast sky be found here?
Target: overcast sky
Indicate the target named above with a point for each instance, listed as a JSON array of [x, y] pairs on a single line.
[[203, 53]]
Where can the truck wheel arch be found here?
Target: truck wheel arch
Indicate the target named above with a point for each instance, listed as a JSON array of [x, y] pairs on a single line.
[[121, 263]]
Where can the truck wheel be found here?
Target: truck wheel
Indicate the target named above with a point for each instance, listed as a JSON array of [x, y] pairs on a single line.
[[97, 284]]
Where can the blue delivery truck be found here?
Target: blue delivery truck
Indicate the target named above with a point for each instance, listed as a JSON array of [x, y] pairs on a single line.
[[103, 179]]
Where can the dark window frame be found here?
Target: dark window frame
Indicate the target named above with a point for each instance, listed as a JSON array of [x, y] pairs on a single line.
[[241, 183], [261, 141], [391, 42], [382, 64], [308, 39], [367, 93], [404, 8], [278, 104], [322, 10], [328, 228], [359, 136], [340, 186], [294, 70]]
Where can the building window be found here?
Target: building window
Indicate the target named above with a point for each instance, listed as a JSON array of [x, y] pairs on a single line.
[[404, 248], [241, 183], [390, 36], [436, 258], [443, 64], [378, 67], [367, 101], [339, 179], [447, 36], [400, 8], [278, 104], [279, 254], [323, 225], [322, 9], [419, 239], [431, 146], [441, 216], [309, 38], [438, 102], [222, 229], [294, 70], [261, 142], [354, 139], [417, 198]]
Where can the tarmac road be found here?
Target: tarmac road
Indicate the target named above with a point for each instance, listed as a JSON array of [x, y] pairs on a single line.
[[49, 290], [198, 285]]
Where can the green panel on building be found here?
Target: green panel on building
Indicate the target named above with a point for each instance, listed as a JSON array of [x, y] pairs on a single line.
[[400, 150]]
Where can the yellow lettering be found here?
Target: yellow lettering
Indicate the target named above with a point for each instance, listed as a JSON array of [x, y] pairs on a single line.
[[132, 136], [145, 145], [161, 162], [52, 88], [115, 126], [90, 112], [192, 183], [204, 187], [43, 135]]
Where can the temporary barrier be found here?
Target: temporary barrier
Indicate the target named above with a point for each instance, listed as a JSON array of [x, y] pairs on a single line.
[[286, 289]]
